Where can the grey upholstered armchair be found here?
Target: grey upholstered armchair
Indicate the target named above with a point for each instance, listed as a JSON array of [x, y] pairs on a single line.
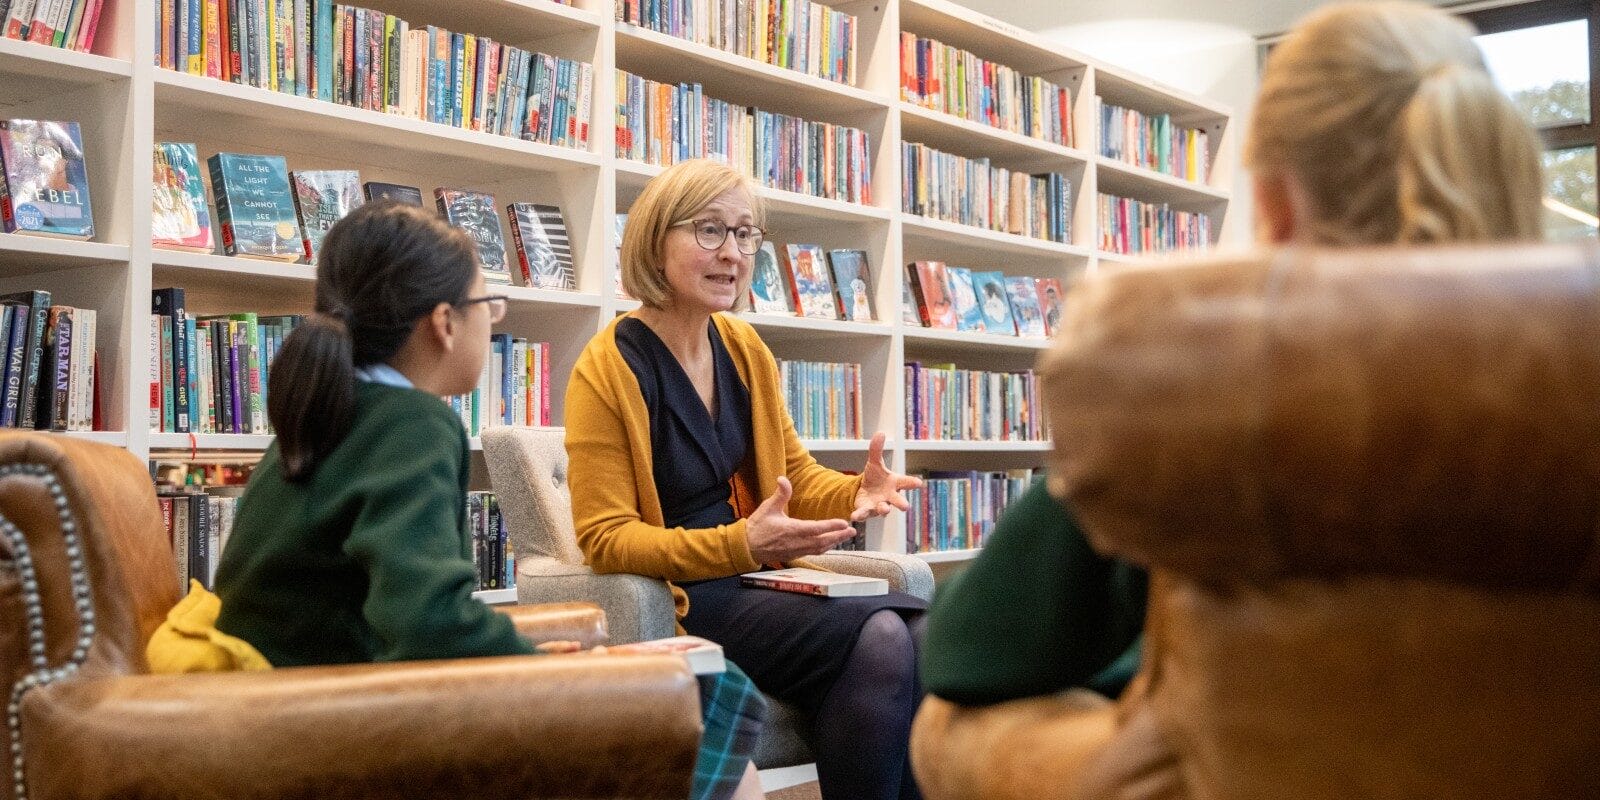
[[528, 468]]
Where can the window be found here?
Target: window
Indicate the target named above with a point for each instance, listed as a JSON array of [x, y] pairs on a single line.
[[1543, 54]]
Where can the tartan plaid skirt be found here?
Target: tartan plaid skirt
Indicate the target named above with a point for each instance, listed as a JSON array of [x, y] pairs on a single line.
[[732, 709]]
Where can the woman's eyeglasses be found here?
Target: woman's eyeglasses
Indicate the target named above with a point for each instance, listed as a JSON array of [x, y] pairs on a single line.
[[711, 233], [497, 305]]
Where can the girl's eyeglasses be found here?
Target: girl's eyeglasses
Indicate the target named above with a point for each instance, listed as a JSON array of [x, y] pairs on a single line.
[[497, 305], [711, 233]]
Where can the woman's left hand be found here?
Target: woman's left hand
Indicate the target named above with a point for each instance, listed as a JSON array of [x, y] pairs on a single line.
[[880, 488]]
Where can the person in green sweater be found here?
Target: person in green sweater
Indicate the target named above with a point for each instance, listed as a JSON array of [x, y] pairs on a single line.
[[351, 541], [1376, 123]]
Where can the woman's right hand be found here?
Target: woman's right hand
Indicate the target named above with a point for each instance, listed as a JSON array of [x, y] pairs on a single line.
[[775, 537]]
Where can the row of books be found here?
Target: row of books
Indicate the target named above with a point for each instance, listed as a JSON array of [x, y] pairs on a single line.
[[958, 510], [1131, 227], [824, 399], [290, 212], [944, 78], [44, 180], [1154, 141], [661, 123], [944, 402], [961, 299], [513, 389], [71, 24], [368, 59], [209, 374], [971, 191], [795, 34], [492, 554], [198, 524], [50, 365], [802, 279]]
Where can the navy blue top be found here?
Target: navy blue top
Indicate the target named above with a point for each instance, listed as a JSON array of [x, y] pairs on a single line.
[[694, 456]]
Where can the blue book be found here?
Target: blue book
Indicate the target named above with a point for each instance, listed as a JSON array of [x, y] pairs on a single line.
[[458, 54], [46, 179], [993, 302], [13, 335], [964, 299], [323, 40], [255, 206]]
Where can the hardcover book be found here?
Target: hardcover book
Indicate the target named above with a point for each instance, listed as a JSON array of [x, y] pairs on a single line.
[[475, 213], [1050, 304], [815, 582], [811, 287], [1024, 295], [322, 197], [37, 304], [930, 286], [255, 206], [179, 219], [46, 186], [769, 288], [544, 253], [392, 191], [992, 301], [965, 299], [850, 284]]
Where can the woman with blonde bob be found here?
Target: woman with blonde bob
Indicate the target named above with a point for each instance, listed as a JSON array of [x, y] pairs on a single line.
[[685, 466], [1376, 123]]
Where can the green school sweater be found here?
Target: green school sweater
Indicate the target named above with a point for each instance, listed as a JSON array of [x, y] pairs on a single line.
[[1038, 611], [369, 560]]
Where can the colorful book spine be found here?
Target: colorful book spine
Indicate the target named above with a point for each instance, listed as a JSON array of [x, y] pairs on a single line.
[[943, 78]]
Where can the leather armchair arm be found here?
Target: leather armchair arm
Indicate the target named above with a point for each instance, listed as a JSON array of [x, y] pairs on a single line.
[[584, 623], [904, 573], [578, 726], [636, 608], [1036, 748]]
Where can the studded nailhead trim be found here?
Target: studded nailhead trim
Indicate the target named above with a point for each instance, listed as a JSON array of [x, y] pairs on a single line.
[[41, 673]]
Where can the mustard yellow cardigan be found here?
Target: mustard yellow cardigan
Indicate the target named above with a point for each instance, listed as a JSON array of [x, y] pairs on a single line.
[[614, 503]]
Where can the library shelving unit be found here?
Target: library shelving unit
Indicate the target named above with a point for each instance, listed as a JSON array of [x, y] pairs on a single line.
[[125, 104]]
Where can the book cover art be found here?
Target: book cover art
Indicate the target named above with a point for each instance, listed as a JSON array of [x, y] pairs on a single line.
[[769, 286], [179, 219], [993, 303], [409, 195], [47, 182], [32, 368], [1024, 296], [850, 284], [811, 287], [322, 197], [619, 223], [1050, 304], [815, 582], [477, 214], [908, 306], [255, 206], [544, 253], [930, 287], [965, 299]]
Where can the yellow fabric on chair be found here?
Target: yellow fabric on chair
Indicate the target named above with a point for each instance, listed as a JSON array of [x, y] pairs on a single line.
[[190, 642]]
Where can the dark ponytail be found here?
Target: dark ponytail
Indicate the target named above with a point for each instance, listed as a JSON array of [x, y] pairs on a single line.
[[380, 269]]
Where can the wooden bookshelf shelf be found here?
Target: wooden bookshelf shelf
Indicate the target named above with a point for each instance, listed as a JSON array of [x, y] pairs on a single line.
[[1139, 183], [184, 442], [956, 135], [1123, 88], [21, 254], [946, 556], [524, 23], [812, 326], [842, 445], [20, 61], [113, 438], [551, 297], [496, 597], [988, 38], [969, 238], [963, 446], [970, 342], [783, 206]]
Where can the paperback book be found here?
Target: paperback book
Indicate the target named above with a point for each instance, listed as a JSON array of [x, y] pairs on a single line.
[[992, 301], [965, 299], [850, 284], [769, 287], [811, 288], [477, 214], [1024, 296], [544, 253], [704, 656], [178, 216], [1050, 304], [815, 582], [46, 186], [930, 287], [410, 195], [322, 197], [255, 207]]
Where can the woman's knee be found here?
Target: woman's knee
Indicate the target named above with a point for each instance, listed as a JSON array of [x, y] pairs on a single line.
[[886, 646]]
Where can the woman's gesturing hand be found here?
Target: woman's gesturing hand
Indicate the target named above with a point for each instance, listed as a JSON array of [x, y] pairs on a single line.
[[880, 488], [775, 537]]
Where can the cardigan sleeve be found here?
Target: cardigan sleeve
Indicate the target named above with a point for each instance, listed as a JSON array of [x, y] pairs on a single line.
[[603, 471]]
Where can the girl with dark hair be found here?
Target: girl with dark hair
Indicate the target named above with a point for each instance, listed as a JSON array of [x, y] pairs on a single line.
[[350, 543]]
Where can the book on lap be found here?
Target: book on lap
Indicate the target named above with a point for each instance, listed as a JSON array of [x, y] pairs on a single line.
[[815, 582], [704, 656]]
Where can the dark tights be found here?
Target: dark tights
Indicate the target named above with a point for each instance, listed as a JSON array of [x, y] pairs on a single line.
[[863, 727]]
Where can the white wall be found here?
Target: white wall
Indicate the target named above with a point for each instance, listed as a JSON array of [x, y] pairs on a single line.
[[1214, 61]]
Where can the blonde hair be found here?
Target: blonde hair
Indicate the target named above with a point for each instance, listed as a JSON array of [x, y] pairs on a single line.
[[671, 197], [1386, 117]]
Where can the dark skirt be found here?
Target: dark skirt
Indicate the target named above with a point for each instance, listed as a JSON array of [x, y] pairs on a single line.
[[792, 645]]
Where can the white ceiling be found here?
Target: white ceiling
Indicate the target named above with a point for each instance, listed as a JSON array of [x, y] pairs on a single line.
[[1256, 17]]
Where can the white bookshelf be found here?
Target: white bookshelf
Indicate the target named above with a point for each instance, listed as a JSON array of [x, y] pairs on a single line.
[[125, 104]]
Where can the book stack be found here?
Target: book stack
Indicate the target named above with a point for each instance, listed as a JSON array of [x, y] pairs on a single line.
[[1132, 227], [795, 34], [971, 191], [514, 388], [662, 124], [50, 366], [958, 510], [944, 402], [209, 374], [44, 180], [367, 59], [492, 553], [943, 78], [1153, 141], [71, 24], [824, 399], [805, 280], [958, 298], [198, 525]]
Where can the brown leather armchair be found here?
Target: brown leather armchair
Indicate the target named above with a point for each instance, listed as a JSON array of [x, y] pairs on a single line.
[[86, 576], [1368, 486]]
